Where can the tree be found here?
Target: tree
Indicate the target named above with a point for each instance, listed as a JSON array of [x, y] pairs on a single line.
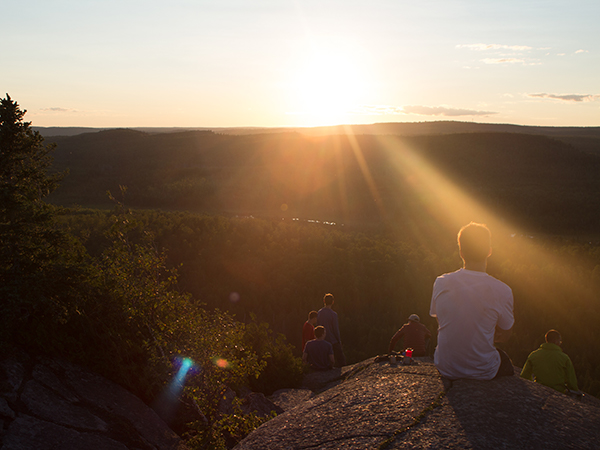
[[33, 248]]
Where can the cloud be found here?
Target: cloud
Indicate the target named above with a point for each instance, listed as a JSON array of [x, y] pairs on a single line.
[[567, 97], [57, 109], [581, 51], [503, 61], [483, 47], [379, 110], [444, 111], [503, 54]]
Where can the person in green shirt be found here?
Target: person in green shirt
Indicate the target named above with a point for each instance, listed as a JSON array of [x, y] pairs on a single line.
[[550, 366]]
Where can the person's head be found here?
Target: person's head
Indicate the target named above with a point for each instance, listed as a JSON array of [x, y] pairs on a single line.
[[328, 299], [475, 243], [312, 317], [320, 332], [414, 318], [553, 337]]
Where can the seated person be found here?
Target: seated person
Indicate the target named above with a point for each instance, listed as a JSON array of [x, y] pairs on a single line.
[[415, 334], [474, 311], [318, 353], [550, 366]]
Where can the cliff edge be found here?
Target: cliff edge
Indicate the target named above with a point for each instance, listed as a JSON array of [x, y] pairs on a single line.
[[381, 406]]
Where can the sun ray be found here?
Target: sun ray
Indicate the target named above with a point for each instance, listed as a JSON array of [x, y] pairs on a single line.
[[450, 206]]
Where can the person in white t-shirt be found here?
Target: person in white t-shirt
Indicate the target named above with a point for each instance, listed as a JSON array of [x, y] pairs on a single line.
[[474, 310]]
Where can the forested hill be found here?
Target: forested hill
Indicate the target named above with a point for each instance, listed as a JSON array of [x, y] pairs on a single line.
[[538, 182], [395, 128]]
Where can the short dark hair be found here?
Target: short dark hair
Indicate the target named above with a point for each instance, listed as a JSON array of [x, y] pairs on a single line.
[[319, 331], [475, 242], [312, 315], [328, 299], [553, 336]]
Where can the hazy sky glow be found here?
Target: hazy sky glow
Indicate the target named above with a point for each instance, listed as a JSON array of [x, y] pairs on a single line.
[[221, 63]]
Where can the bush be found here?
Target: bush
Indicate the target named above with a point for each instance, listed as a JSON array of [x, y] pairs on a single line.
[[283, 369]]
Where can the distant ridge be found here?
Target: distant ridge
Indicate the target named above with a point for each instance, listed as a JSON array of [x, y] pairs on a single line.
[[542, 182], [66, 131], [452, 127], [393, 128]]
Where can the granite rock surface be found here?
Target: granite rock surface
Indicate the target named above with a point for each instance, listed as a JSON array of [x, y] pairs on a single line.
[[376, 405], [49, 404]]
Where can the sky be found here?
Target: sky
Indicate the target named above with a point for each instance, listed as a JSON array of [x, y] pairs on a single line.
[[277, 63]]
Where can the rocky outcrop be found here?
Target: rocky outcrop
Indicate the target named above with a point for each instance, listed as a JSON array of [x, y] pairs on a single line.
[[50, 404], [378, 405]]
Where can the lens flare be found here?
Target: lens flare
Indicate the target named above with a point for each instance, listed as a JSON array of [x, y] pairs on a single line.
[[165, 403], [221, 362]]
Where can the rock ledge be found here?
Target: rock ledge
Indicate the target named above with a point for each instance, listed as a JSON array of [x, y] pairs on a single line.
[[377, 405]]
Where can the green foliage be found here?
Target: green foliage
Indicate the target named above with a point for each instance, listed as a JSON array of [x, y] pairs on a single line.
[[283, 369], [116, 309], [280, 270], [38, 262], [226, 432]]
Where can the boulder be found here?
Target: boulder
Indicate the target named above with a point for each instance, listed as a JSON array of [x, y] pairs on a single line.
[[287, 399], [383, 406], [47, 403], [257, 403]]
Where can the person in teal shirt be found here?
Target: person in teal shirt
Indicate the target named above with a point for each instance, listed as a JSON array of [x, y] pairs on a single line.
[[550, 366]]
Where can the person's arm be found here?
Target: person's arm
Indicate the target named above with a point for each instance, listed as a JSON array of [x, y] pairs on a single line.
[[305, 358], [427, 333], [571, 378], [332, 360], [502, 335], [527, 371], [335, 328]]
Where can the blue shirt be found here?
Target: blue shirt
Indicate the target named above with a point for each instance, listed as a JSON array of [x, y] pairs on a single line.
[[318, 352], [328, 318]]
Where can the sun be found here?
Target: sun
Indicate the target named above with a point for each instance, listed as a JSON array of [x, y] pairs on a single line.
[[327, 85]]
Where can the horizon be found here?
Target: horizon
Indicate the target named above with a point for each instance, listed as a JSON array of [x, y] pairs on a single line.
[[285, 128], [288, 64]]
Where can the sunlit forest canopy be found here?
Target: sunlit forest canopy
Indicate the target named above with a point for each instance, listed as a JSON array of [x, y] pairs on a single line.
[[535, 183], [279, 270]]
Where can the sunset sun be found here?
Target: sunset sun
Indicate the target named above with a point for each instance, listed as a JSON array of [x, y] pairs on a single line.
[[327, 85]]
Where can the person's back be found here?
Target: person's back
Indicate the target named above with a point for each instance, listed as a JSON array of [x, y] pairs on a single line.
[[415, 336], [318, 353], [467, 306], [550, 366], [328, 318], [473, 310]]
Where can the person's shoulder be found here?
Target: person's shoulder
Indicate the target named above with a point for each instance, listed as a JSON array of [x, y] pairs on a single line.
[[449, 275], [498, 284], [310, 343], [446, 279]]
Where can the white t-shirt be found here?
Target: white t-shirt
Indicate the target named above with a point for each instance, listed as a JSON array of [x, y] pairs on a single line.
[[469, 305]]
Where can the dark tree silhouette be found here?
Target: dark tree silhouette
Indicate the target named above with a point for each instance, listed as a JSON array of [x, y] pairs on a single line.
[[30, 242]]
